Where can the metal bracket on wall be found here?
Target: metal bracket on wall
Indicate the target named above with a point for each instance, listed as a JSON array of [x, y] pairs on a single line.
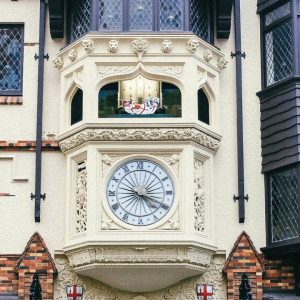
[[238, 53], [42, 196], [240, 197], [36, 57]]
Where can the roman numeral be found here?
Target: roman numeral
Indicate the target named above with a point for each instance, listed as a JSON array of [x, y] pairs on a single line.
[[125, 217], [164, 206], [115, 179], [115, 206], [155, 218], [125, 168], [169, 192], [111, 193], [164, 179], [141, 221], [140, 165]]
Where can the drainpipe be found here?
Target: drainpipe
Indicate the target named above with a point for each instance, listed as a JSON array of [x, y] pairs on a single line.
[[239, 106], [39, 120]]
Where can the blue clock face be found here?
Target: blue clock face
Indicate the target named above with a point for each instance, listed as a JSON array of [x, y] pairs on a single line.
[[140, 192]]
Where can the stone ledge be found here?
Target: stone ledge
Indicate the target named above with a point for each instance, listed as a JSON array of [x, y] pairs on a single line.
[[11, 100]]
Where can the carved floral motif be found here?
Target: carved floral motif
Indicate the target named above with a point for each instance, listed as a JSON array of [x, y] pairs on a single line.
[[58, 62], [207, 55], [192, 45], [72, 54], [88, 45], [113, 46], [81, 197], [112, 70], [222, 63], [142, 134], [199, 196], [176, 71], [166, 46]]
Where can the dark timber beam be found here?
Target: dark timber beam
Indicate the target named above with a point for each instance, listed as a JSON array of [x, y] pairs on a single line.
[[56, 16], [224, 8]]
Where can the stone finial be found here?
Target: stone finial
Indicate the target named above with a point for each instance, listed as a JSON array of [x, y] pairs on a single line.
[[88, 45], [222, 63], [58, 62], [207, 55], [192, 45], [113, 46], [166, 46], [72, 54]]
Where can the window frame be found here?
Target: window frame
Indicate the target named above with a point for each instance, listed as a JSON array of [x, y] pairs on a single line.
[[268, 207], [20, 91], [265, 29]]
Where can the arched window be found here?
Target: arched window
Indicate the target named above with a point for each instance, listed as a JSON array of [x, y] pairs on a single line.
[[77, 107], [203, 107], [139, 97]]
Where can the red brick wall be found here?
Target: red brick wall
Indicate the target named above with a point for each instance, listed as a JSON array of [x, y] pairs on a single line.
[[8, 275], [11, 100]]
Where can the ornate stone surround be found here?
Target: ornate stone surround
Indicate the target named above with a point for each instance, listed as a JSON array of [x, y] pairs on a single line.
[[176, 134]]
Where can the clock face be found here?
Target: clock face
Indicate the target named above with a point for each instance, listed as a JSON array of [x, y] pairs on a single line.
[[140, 192]]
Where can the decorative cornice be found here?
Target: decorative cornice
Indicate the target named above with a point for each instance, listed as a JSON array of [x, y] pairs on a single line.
[[190, 134]]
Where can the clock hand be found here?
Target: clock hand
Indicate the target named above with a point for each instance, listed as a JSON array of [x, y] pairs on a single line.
[[152, 199]]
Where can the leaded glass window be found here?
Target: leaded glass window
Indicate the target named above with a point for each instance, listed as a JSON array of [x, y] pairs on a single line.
[[11, 54], [284, 205], [110, 15], [200, 18], [81, 18], [171, 15], [278, 45], [141, 15]]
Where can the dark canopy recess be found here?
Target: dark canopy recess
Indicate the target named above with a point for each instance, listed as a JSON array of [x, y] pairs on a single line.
[[224, 8], [56, 13]]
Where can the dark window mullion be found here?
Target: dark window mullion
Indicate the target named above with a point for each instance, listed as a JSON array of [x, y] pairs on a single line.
[[298, 197], [125, 15], [157, 15], [95, 15], [186, 15]]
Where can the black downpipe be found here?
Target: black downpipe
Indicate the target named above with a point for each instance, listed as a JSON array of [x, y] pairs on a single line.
[[39, 122], [239, 96]]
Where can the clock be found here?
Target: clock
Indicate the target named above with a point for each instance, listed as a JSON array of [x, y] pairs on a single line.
[[140, 192]]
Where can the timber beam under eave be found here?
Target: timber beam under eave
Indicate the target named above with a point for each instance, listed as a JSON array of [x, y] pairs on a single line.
[[224, 9], [56, 16]]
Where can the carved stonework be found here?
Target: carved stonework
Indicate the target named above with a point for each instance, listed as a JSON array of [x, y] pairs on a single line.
[[139, 46], [207, 55], [58, 62], [176, 71], [72, 54], [107, 161], [172, 161], [81, 197], [199, 196], [167, 46], [88, 45], [143, 134], [113, 46], [192, 45], [222, 63], [107, 223], [114, 70]]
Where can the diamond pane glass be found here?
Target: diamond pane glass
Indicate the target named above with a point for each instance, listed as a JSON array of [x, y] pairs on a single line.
[[81, 18], [279, 55], [140, 15], [199, 18], [10, 58], [277, 14], [284, 205], [171, 15], [110, 15]]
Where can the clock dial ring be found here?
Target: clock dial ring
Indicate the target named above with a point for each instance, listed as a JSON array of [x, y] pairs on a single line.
[[140, 192]]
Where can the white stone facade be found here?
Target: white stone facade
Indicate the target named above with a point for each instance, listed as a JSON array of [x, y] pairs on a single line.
[[79, 228]]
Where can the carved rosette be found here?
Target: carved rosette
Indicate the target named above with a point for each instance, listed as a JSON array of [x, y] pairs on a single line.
[[192, 45], [58, 62], [113, 46], [199, 196], [81, 197], [167, 46], [143, 134], [88, 45], [72, 55], [222, 63]]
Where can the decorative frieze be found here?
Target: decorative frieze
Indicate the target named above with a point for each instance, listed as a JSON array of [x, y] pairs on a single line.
[[176, 71], [114, 70], [141, 134], [81, 197], [199, 196]]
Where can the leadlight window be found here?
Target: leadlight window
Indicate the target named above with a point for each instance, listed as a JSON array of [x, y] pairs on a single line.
[[284, 205], [11, 58], [141, 16], [277, 39]]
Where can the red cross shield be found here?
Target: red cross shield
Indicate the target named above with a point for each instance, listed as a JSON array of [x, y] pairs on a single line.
[[74, 292], [204, 292]]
